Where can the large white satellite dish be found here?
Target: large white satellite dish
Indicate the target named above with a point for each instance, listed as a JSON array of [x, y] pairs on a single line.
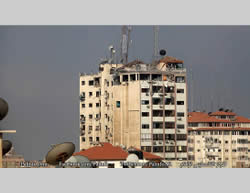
[[78, 161]]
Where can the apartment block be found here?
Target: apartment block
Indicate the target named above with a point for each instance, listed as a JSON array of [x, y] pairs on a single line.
[[219, 136], [136, 105]]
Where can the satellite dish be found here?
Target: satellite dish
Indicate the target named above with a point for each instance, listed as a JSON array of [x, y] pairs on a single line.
[[163, 52], [78, 161], [132, 158], [60, 153], [6, 145], [3, 108]]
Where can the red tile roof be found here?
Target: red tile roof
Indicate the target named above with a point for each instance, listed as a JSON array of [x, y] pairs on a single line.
[[109, 152], [219, 129], [201, 117], [104, 152]]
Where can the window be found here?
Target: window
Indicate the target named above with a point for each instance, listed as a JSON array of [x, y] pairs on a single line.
[[180, 114], [145, 114], [181, 136], [145, 126], [97, 138], [157, 136], [157, 125], [145, 90], [90, 94], [125, 78], [83, 82], [145, 102], [180, 102], [157, 101], [90, 116], [97, 94], [91, 83], [83, 105], [180, 90], [83, 139], [90, 139], [97, 104], [180, 126], [118, 104], [158, 149], [132, 77], [111, 165], [179, 79], [90, 105]]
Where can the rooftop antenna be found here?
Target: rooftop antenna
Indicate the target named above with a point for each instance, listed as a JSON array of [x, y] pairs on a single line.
[[156, 43], [125, 41]]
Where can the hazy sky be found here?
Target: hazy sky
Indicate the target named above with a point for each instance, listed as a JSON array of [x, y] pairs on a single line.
[[40, 65]]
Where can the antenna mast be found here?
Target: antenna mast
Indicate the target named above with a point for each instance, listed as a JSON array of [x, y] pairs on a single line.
[[125, 41], [156, 42]]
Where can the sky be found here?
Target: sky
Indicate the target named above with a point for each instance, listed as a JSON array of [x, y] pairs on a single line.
[[40, 66]]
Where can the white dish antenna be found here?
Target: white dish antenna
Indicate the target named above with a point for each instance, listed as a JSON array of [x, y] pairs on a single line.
[[132, 158], [78, 161]]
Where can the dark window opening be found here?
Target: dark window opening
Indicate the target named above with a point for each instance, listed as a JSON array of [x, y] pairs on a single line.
[[169, 101], [125, 78], [145, 126], [83, 82], [181, 137], [169, 125], [169, 113], [169, 89], [145, 102], [157, 125], [144, 77], [118, 104], [157, 113], [91, 83], [145, 90], [170, 136], [180, 126], [180, 90], [157, 101], [145, 114], [132, 77], [180, 102], [157, 136], [180, 114], [158, 149], [169, 148], [156, 77], [157, 89]]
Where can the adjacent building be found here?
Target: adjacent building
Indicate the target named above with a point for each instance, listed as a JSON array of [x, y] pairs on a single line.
[[136, 104], [219, 136]]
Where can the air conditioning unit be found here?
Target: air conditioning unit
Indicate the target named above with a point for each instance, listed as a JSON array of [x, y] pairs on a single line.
[[154, 143], [160, 142], [147, 94], [148, 106], [161, 106], [179, 119]]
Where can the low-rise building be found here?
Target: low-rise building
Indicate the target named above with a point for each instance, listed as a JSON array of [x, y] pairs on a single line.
[[105, 155], [219, 136]]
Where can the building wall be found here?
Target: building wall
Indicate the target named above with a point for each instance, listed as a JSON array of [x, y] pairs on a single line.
[[121, 124], [230, 146]]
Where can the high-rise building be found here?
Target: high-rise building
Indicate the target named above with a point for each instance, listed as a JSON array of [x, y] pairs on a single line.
[[219, 136], [136, 104]]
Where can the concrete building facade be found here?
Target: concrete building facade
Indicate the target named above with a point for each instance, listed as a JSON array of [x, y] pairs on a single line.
[[219, 136], [137, 104]]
